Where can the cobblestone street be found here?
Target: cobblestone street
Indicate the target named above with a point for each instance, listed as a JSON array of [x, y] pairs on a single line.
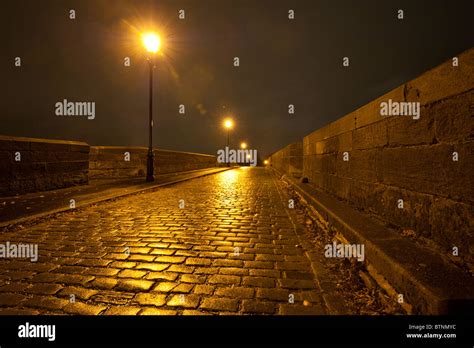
[[220, 244]]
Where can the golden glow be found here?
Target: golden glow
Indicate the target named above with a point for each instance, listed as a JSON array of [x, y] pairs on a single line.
[[229, 177], [243, 145], [151, 41], [265, 162], [228, 123]]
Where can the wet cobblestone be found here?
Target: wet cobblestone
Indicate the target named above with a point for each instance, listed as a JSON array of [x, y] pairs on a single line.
[[232, 249]]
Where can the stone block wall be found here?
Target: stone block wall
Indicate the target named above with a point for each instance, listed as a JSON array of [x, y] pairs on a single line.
[[397, 159], [110, 162], [33, 165], [30, 165], [289, 160]]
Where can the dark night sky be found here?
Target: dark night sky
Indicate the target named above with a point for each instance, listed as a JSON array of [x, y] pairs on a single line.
[[282, 62]]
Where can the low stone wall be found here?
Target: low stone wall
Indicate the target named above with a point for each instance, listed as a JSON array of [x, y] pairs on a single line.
[[289, 160], [415, 174], [30, 165], [111, 162]]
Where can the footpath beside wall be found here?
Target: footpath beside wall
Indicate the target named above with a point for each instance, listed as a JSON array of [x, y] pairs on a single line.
[[110, 162], [31, 165], [417, 175]]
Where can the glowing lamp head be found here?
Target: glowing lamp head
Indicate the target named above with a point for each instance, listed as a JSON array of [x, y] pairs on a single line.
[[243, 145], [228, 123], [265, 162], [152, 42]]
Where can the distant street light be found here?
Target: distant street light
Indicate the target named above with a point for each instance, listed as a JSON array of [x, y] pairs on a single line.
[[265, 162], [243, 145], [152, 44]]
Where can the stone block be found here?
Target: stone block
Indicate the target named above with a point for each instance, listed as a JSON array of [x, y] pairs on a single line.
[[454, 118], [404, 130], [339, 186], [342, 125], [370, 113], [363, 165], [370, 136], [430, 169], [452, 225], [415, 214], [14, 143], [444, 81], [366, 196]]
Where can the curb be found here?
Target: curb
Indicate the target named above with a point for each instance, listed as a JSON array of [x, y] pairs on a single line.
[[84, 204], [426, 281]]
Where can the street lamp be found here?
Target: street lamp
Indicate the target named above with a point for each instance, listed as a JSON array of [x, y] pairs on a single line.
[[228, 124], [243, 145], [152, 44]]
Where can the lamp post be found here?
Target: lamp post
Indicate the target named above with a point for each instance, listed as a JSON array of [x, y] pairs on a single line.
[[152, 44], [243, 146], [228, 124]]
